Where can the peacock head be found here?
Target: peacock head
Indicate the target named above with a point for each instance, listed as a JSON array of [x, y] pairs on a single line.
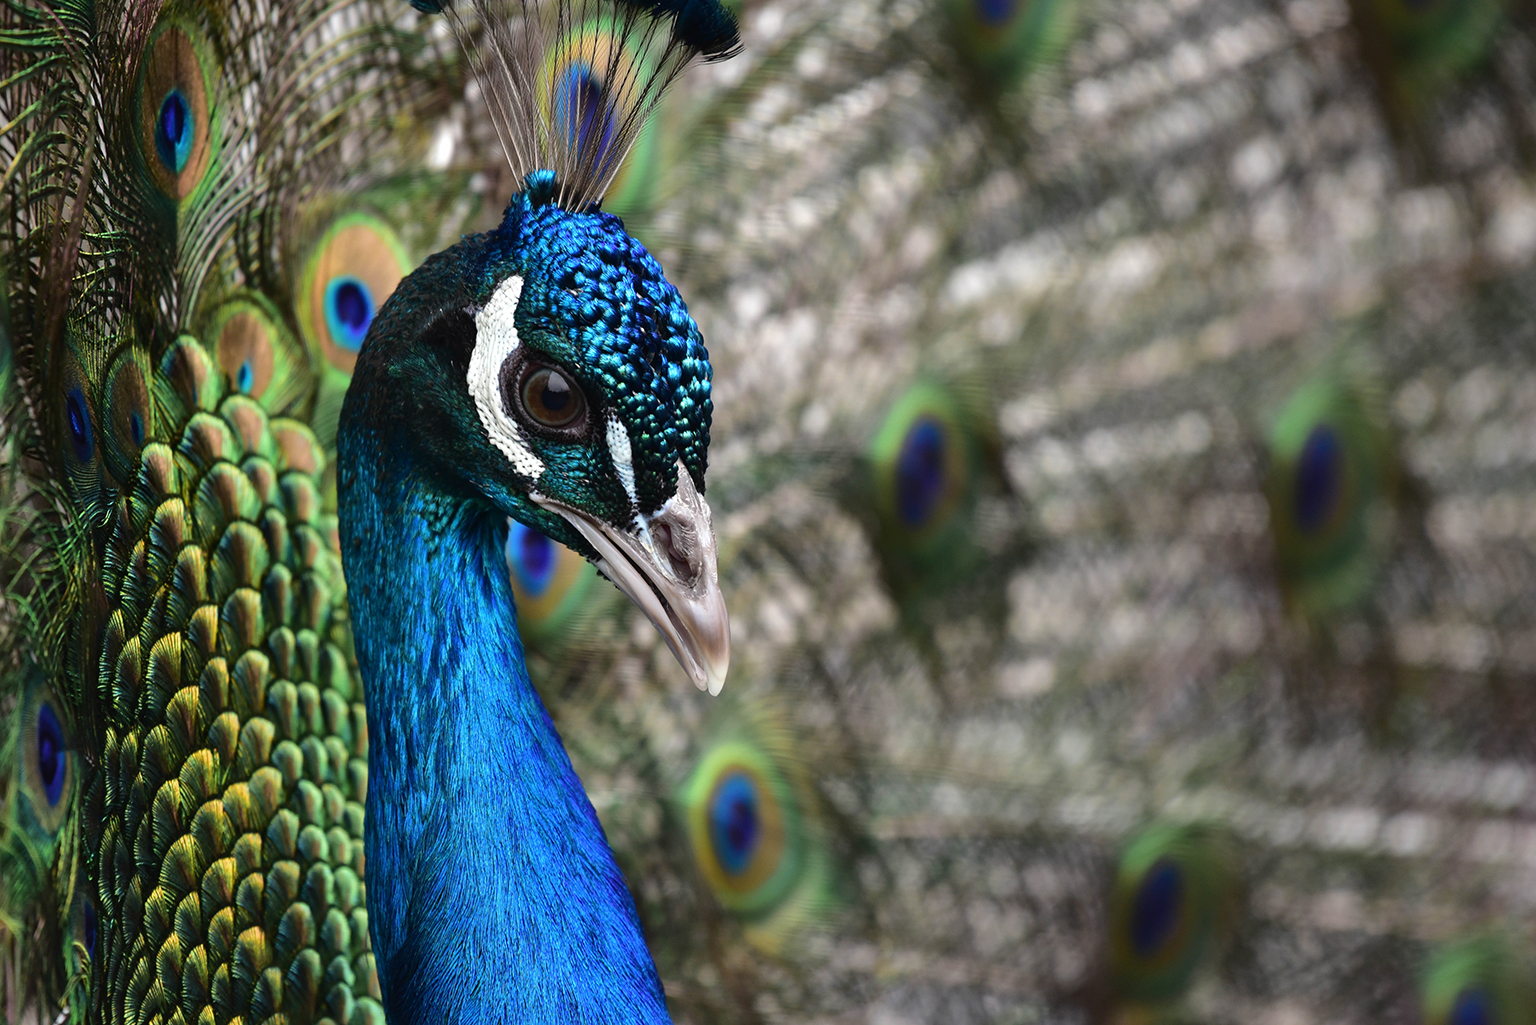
[[574, 399]]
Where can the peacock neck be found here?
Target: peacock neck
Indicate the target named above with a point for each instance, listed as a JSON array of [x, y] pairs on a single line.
[[492, 893]]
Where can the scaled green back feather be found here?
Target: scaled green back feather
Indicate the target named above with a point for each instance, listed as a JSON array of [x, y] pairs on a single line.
[[185, 754]]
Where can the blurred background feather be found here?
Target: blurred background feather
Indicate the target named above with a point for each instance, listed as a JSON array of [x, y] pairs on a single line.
[[1123, 473]]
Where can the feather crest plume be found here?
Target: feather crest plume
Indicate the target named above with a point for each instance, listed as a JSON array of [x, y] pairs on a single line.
[[570, 84]]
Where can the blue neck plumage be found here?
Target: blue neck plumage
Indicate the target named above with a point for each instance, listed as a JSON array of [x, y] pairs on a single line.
[[493, 895]]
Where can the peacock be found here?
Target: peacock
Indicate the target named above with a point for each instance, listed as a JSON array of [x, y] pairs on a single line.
[[545, 372], [1119, 467]]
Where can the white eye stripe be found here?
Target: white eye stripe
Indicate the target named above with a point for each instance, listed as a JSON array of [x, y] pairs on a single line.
[[623, 456], [495, 340]]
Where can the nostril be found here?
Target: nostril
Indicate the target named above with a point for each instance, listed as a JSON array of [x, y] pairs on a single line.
[[675, 545]]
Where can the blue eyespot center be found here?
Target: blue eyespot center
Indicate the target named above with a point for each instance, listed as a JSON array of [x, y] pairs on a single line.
[[51, 754], [534, 558], [90, 926], [136, 427], [995, 12], [922, 468], [1157, 909], [349, 311], [1318, 485], [735, 824], [78, 416], [245, 377], [173, 131], [583, 111], [1472, 1007]]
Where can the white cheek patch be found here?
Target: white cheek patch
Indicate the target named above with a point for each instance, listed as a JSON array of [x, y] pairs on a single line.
[[495, 340], [623, 457]]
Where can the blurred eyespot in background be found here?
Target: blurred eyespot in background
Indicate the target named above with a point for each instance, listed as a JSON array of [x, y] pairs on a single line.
[[1120, 473], [550, 583]]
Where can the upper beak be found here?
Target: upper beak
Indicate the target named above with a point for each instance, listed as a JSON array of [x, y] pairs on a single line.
[[668, 569]]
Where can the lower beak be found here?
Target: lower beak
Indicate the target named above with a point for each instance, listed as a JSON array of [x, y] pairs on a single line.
[[668, 569]]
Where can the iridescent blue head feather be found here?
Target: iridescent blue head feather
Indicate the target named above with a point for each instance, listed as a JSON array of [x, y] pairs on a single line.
[[548, 371], [596, 300]]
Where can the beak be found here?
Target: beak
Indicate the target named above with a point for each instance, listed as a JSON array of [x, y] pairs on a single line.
[[668, 569]]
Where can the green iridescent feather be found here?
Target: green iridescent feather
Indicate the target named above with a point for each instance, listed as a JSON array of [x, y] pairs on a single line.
[[553, 588], [184, 757], [936, 503], [1421, 47]]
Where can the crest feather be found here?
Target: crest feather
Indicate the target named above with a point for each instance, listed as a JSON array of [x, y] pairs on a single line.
[[570, 83]]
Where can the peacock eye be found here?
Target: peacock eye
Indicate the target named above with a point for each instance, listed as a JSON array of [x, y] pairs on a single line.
[[173, 131], [994, 12], [51, 754], [552, 400], [79, 422], [735, 827], [1318, 471], [349, 310], [1156, 913]]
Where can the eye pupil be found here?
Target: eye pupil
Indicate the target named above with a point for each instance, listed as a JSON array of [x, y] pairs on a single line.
[[1472, 1007], [921, 472], [550, 399], [90, 927], [582, 107], [538, 553], [556, 394], [1317, 478], [351, 307], [741, 825], [994, 12]]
